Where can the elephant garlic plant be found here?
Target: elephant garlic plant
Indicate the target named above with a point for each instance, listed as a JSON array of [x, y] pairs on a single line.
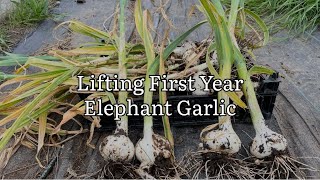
[[152, 146], [118, 147], [266, 142], [220, 138]]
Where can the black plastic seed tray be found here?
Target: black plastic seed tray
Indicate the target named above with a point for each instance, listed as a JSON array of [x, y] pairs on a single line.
[[266, 95]]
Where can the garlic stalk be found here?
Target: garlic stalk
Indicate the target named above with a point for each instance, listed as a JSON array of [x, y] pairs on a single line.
[[152, 146], [220, 138], [266, 142], [118, 147]]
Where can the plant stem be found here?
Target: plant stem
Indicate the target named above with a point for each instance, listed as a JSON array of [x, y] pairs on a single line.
[[123, 123], [225, 73], [141, 18], [148, 120], [247, 88], [248, 91], [216, 17], [163, 99]]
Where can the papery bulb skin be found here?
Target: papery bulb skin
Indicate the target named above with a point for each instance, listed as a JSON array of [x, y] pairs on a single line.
[[117, 148], [148, 151], [181, 51], [221, 139], [199, 84], [267, 143]]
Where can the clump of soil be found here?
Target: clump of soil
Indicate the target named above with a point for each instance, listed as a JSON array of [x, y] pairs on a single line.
[[163, 168]]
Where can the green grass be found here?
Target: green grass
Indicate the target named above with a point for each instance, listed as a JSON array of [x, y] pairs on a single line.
[[25, 14], [3, 40], [298, 16], [28, 12]]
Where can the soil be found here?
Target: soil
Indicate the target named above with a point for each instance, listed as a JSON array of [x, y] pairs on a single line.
[[14, 35]]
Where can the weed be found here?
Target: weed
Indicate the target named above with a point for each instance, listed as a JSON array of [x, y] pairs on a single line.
[[28, 12], [296, 15], [3, 40], [19, 21]]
